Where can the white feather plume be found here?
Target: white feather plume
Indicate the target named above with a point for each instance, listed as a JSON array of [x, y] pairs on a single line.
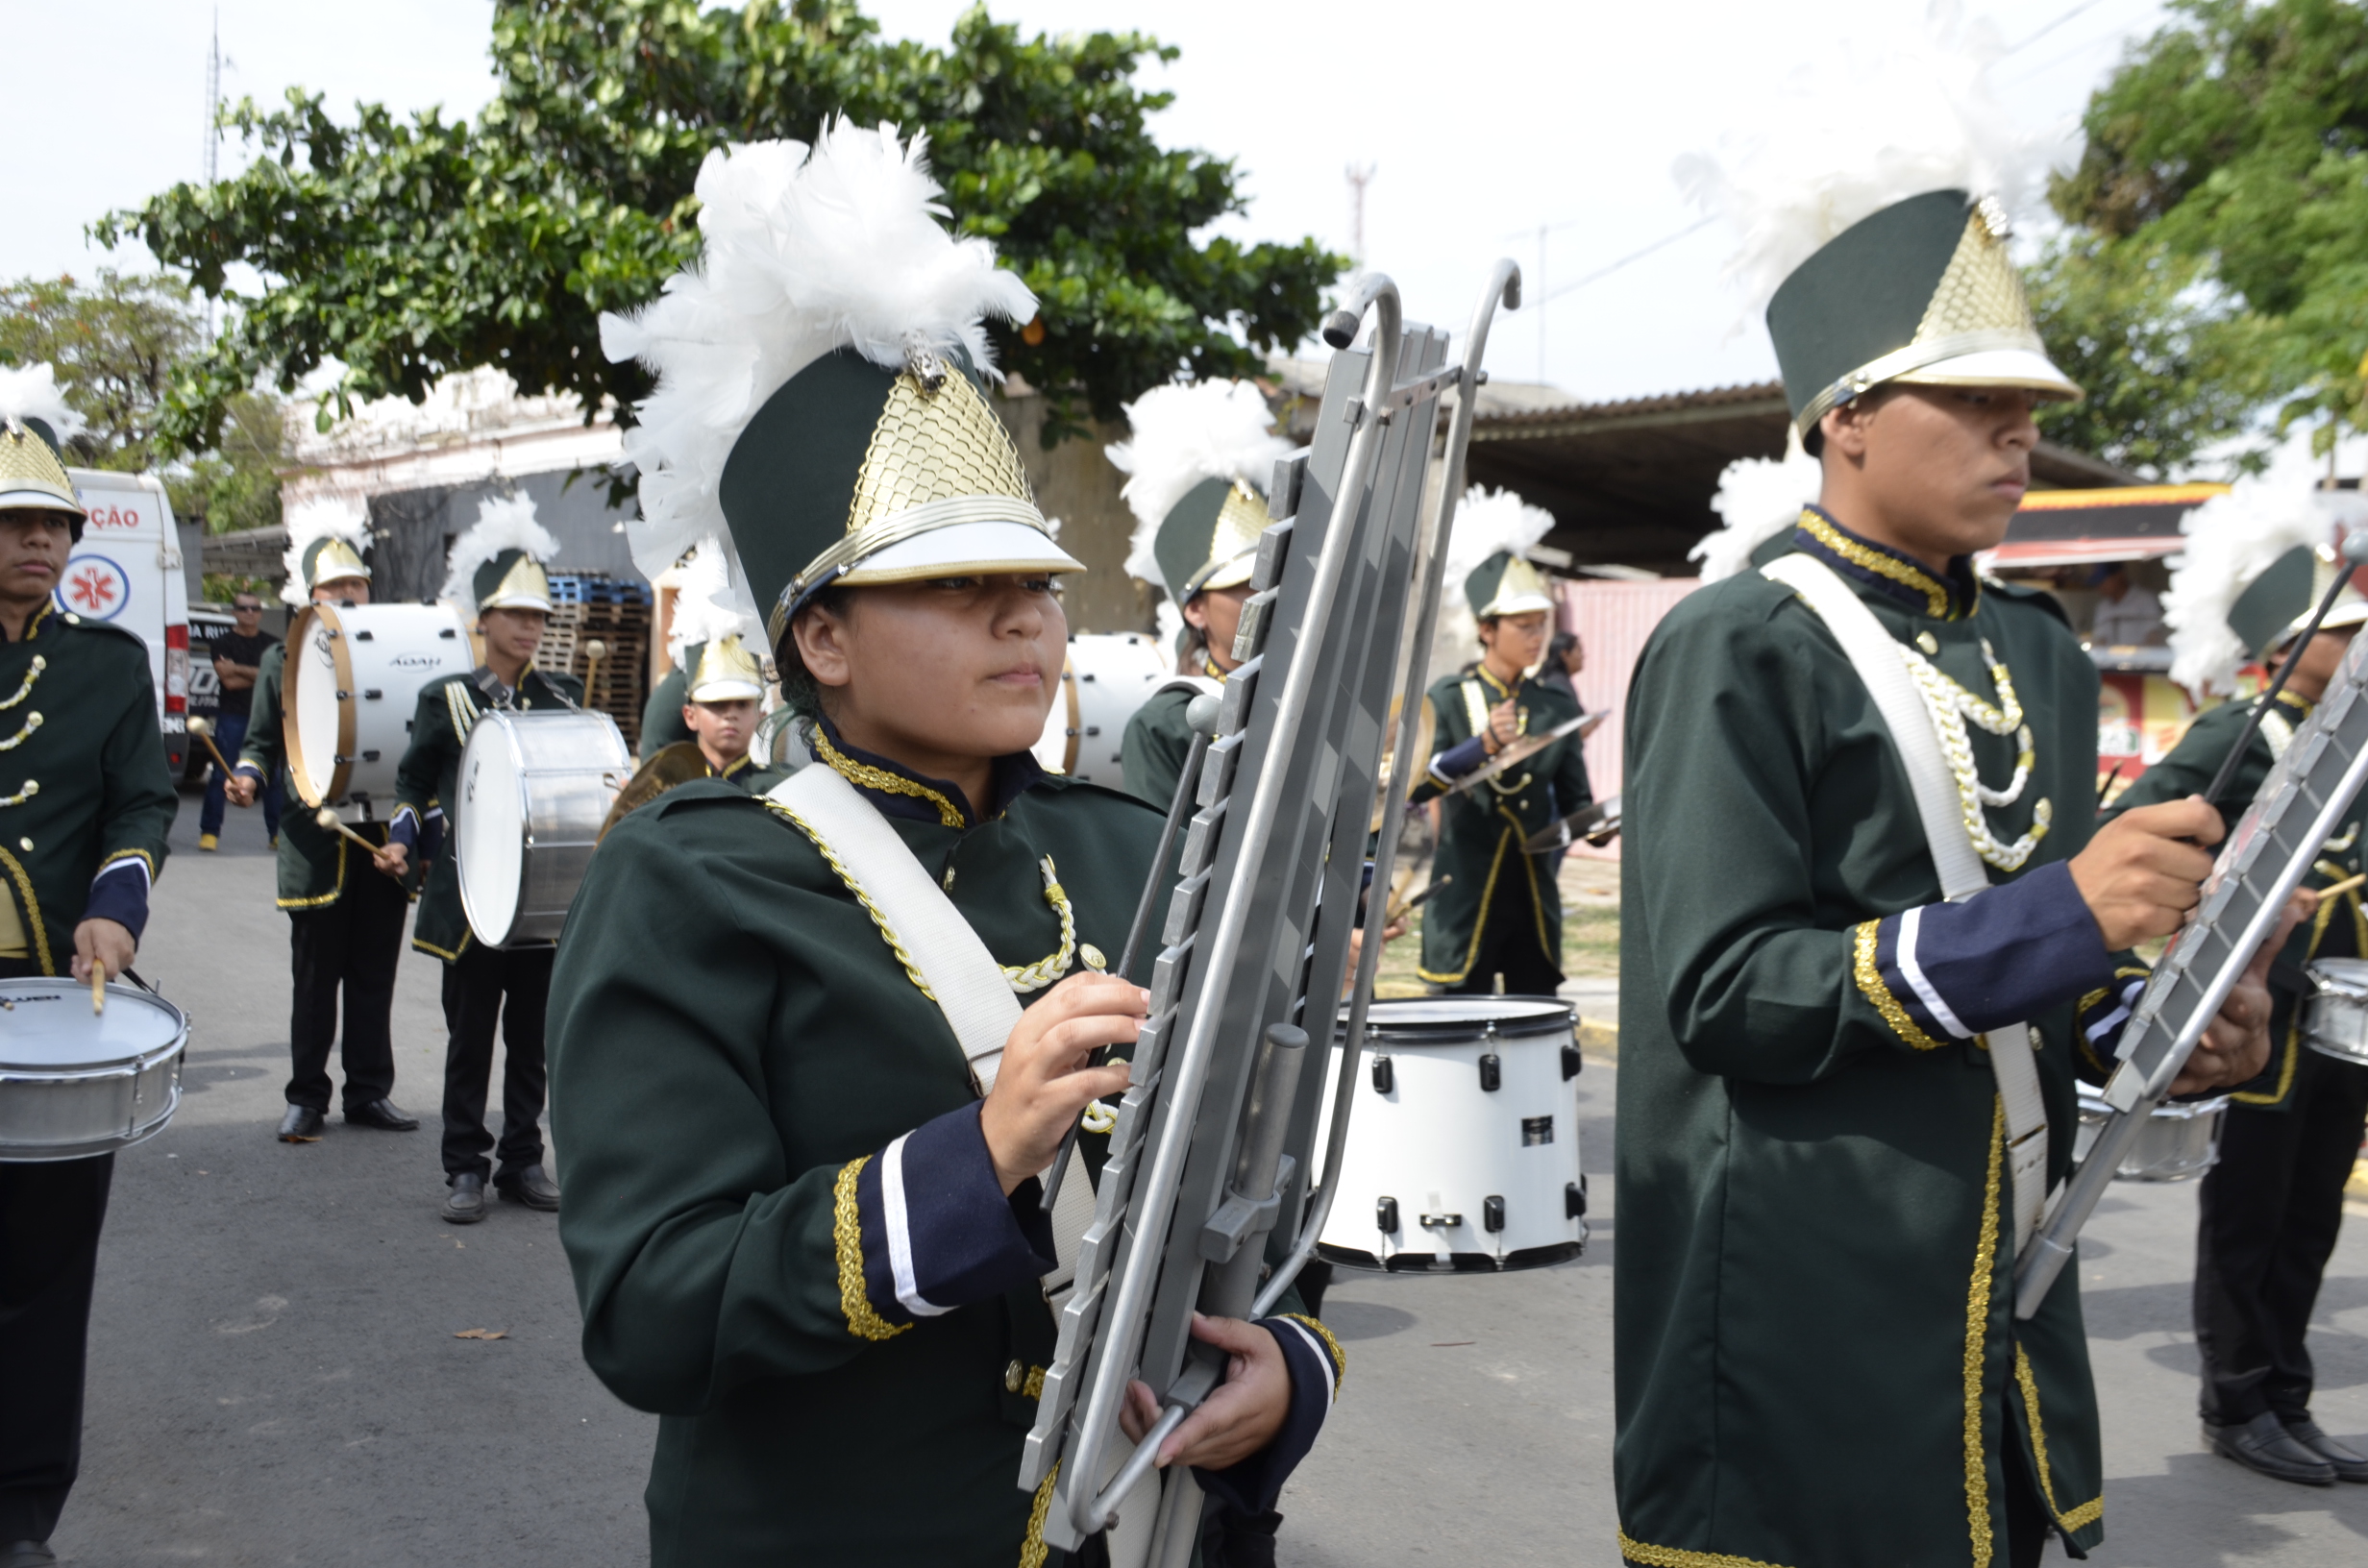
[[2232, 540], [706, 606], [305, 528], [1760, 497], [1892, 107], [31, 392], [1181, 434], [503, 523], [807, 251]]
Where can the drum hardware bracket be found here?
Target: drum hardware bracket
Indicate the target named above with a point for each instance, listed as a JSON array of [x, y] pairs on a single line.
[[1574, 1199], [372, 693], [363, 636], [1441, 1222], [1239, 1217], [1492, 1214], [1572, 1060], [1492, 1072], [1385, 1215], [1385, 1075]]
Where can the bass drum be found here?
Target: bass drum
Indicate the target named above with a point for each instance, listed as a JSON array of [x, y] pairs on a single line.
[[1104, 680], [74, 1084], [1462, 1149], [535, 789], [351, 684], [2178, 1143]]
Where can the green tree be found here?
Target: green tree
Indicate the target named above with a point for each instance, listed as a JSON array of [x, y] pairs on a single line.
[[404, 248], [117, 341], [2169, 364], [2235, 141]]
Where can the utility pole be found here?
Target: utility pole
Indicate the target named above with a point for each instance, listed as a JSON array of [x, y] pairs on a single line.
[[213, 133], [1360, 176]]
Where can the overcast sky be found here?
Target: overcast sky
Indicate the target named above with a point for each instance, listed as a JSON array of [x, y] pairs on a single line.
[[1505, 117]]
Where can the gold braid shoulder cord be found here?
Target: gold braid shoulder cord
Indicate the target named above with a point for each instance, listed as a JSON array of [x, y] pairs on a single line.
[[32, 720], [1951, 705]]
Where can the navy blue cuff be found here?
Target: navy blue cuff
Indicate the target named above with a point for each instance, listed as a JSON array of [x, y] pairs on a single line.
[[2104, 1014], [1459, 759], [404, 830], [430, 835], [1310, 1353], [119, 893], [245, 766], [938, 1231], [2004, 956]]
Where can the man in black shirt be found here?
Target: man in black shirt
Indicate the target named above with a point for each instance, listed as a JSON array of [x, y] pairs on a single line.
[[238, 656]]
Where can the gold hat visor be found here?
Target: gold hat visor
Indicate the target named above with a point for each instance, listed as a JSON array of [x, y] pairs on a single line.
[[726, 672], [31, 475]]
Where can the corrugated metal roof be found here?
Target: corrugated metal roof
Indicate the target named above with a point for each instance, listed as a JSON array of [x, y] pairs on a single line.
[[1759, 397]]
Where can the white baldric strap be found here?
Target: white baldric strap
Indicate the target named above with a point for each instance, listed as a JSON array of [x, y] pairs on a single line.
[[1875, 655], [962, 977]]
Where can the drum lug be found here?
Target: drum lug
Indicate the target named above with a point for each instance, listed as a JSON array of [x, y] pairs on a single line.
[[1574, 1199], [372, 693], [1385, 1216], [1492, 1214], [1385, 1081], [1442, 1222], [1492, 1072], [1572, 1061], [363, 636]]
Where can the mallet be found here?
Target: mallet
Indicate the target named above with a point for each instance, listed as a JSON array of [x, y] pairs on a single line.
[[328, 821], [203, 729], [594, 651]]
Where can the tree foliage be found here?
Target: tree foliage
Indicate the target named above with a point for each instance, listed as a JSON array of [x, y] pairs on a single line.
[[2234, 143], [118, 342], [405, 248]]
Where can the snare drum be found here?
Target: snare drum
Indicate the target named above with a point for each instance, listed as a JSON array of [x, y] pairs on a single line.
[[1104, 680], [351, 684], [2180, 1141], [534, 788], [2335, 1013], [1462, 1148], [74, 1084]]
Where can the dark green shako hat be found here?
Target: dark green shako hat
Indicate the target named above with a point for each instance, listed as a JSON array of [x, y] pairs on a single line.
[[500, 564], [1507, 584], [821, 408], [1923, 292], [323, 546], [1198, 456]]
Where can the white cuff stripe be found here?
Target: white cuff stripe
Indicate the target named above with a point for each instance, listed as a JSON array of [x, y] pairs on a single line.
[[134, 862], [1909, 924], [401, 812], [1323, 1356], [900, 1231], [2112, 1021]]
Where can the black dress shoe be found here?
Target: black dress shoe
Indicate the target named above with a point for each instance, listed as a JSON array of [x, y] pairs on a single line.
[[465, 1203], [529, 1187], [2348, 1462], [385, 1114], [301, 1125], [2263, 1444], [27, 1555]]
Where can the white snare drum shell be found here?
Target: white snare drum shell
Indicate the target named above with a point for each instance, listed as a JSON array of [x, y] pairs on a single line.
[[1107, 677], [1473, 1176], [2334, 1019], [2180, 1141], [535, 789], [74, 1084]]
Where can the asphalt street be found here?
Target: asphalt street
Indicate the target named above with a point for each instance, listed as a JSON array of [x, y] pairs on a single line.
[[276, 1377]]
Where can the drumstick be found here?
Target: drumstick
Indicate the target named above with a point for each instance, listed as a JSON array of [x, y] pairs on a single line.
[[203, 729], [2343, 887], [98, 987], [326, 820], [594, 651]]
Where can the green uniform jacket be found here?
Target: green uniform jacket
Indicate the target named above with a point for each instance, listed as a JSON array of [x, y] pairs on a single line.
[[661, 717], [315, 864], [1158, 738], [2338, 931], [1816, 1359], [425, 783], [85, 795], [1482, 830], [737, 1056]]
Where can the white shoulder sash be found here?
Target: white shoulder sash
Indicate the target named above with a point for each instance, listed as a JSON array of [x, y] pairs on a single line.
[[1875, 655]]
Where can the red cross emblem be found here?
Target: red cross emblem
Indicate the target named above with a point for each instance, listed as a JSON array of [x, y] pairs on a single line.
[[94, 586]]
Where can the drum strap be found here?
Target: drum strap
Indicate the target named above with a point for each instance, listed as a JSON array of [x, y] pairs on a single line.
[[929, 935], [1875, 656]]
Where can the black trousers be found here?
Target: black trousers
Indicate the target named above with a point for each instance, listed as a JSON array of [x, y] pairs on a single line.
[[50, 1216], [353, 944], [2268, 1215], [482, 987], [1508, 947]]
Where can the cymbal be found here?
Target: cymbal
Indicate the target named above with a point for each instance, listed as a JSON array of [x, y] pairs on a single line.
[[678, 764], [1527, 746]]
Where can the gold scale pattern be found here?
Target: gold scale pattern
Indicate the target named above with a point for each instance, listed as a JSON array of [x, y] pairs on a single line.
[[25, 460], [1978, 292], [934, 446]]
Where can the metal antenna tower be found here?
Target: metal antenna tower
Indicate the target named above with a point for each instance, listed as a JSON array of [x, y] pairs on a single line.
[[213, 135], [1360, 176]]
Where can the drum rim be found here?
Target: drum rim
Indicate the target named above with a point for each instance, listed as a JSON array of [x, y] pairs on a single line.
[[71, 990], [1556, 1015], [503, 724], [299, 635]]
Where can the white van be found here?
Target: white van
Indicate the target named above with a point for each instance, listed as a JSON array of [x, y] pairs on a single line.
[[127, 570]]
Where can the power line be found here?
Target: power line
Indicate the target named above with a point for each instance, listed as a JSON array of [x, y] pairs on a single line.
[[1603, 272], [2084, 7]]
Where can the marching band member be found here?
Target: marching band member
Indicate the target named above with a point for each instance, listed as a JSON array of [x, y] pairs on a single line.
[[723, 700], [806, 1229], [88, 802], [498, 580], [1199, 460], [2269, 1210], [702, 589], [1835, 1130], [1500, 917], [345, 929]]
